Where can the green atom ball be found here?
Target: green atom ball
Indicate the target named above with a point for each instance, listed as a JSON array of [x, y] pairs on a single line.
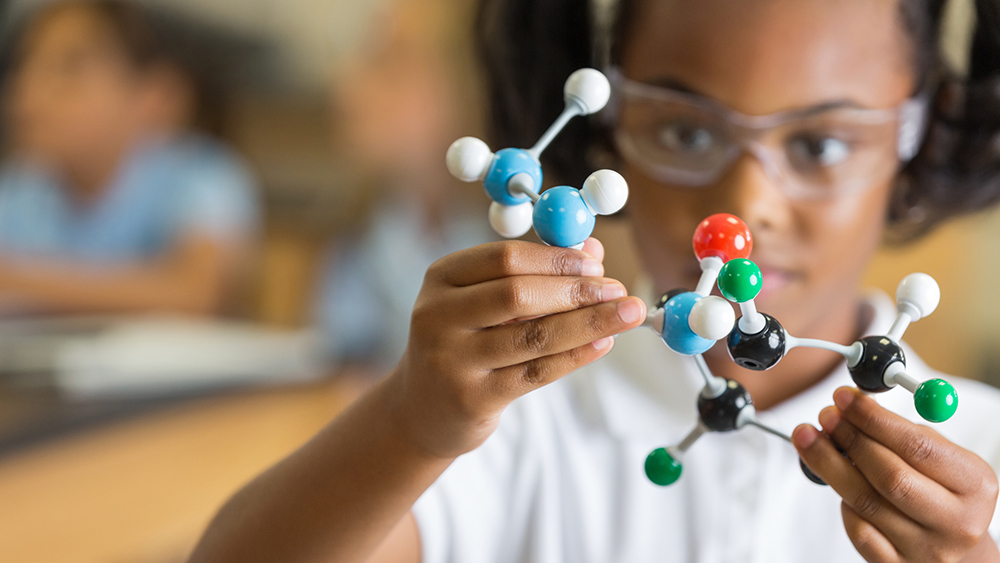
[[662, 468], [740, 280], [936, 400]]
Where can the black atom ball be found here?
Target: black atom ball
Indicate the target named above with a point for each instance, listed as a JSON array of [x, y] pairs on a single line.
[[759, 351], [879, 353], [719, 414]]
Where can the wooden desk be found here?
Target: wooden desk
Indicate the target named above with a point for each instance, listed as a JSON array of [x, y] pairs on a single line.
[[143, 490]]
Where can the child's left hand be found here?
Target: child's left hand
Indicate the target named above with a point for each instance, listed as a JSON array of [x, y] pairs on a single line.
[[910, 494]]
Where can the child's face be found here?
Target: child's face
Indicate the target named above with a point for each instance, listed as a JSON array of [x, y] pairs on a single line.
[[74, 96], [760, 57]]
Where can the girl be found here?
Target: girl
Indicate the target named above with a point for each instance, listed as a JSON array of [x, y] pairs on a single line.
[[557, 475]]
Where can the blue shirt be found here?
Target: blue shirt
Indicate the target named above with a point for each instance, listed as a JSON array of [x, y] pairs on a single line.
[[164, 189], [369, 285]]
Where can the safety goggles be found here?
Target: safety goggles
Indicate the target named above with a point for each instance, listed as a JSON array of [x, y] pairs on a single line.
[[818, 153]]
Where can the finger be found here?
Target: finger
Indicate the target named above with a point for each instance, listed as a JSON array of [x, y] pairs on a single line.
[[921, 447], [867, 539], [512, 258], [916, 495], [593, 247], [495, 302], [516, 343], [513, 381], [822, 457]]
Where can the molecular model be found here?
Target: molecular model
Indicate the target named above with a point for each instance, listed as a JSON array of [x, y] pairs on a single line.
[[563, 215], [691, 322]]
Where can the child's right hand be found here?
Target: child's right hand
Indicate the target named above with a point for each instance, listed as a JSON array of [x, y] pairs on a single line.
[[494, 322]]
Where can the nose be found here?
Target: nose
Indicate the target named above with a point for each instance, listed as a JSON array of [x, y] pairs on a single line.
[[749, 192]]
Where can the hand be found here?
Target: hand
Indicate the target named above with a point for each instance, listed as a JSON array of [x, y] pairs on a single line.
[[910, 494], [494, 322]]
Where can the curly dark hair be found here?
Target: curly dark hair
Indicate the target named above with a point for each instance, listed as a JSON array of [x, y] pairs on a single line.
[[529, 47]]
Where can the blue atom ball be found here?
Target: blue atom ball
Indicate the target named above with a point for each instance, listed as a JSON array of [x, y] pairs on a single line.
[[507, 164], [561, 217], [677, 332]]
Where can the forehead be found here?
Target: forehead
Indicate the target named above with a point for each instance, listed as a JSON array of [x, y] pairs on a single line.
[[764, 56], [67, 27]]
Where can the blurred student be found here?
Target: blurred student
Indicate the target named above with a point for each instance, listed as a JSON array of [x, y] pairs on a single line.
[[109, 201], [398, 106]]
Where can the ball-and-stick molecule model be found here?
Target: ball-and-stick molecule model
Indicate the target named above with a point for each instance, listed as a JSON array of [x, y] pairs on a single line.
[[563, 215], [876, 363], [691, 322]]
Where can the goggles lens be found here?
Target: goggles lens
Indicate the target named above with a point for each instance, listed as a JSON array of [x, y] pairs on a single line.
[[688, 140]]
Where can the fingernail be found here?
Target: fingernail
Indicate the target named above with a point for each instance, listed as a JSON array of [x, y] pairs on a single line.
[[804, 436], [592, 268], [604, 342], [829, 418], [612, 291], [630, 311], [843, 398]]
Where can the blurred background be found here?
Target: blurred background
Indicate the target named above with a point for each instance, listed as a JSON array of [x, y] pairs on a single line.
[[214, 218]]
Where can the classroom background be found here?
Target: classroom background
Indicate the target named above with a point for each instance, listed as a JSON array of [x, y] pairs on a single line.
[[127, 417]]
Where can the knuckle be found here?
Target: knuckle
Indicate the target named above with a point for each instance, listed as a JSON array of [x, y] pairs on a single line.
[[436, 270], [865, 539], [990, 486], [595, 322], [423, 312], [919, 449], [515, 296], [508, 258], [584, 293], [867, 504], [847, 439], [968, 532], [900, 484], [535, 338], [565, 263], [532, 373], [937, 551]]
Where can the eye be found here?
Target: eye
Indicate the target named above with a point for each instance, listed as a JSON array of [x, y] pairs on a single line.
[[685, 138], [818, 150]]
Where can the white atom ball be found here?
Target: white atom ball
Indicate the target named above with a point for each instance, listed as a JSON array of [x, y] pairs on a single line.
[[605, 191], [469, 159], [589, 89], [920, 291], [510, 221], [712, 318]]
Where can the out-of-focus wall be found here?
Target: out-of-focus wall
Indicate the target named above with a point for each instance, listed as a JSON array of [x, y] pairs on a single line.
[[315, 36]]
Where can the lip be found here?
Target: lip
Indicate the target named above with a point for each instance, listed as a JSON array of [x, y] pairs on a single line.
[[775, 280]]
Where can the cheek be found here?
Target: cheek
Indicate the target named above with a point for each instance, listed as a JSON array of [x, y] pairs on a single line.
[[663, 222], [90, 110], [840, 237]]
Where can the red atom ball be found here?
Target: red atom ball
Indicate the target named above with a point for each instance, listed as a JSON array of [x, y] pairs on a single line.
[[723, 235]]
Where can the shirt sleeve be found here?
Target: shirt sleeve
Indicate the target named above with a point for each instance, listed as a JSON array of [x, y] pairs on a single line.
[[463, 515], [219, 197]]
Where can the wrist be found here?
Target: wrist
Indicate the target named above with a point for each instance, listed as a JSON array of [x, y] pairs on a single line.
[[413, 430]]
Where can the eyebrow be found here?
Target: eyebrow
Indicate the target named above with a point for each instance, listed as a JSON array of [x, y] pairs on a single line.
[[681, 86]]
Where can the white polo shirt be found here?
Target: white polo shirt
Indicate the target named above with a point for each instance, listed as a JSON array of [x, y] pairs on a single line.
[[562, 478]]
